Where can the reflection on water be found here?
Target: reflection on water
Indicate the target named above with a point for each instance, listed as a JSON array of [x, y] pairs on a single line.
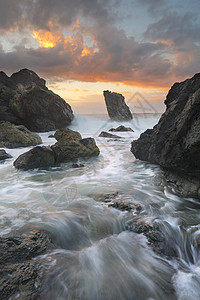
[[95, 257]]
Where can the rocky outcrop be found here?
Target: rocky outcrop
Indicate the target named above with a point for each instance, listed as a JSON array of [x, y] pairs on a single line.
[[38, 157], [121, 128], [109, 135], [25, 99], [20, 276], [174, 143], [69, 147], [13, 136], [116, 106], [4, 155]]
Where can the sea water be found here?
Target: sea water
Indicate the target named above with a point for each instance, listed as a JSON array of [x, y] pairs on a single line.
[[96, 257]]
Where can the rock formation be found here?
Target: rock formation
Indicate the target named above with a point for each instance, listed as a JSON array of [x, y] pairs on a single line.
[[116, 107], [13, 136], [174, 143], [69, 147], [4, 155], [121, 128], [109, 135], [25, 99]]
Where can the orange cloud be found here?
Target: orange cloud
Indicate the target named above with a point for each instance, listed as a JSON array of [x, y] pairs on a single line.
[[47, 39]]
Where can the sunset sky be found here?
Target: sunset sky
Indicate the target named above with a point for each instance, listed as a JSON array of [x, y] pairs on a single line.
[[82, 47]]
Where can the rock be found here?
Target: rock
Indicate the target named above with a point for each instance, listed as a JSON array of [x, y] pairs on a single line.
[[109, 135], [174, 143], [13, 136], [19, 276], [4, 155], [38, 157], [77, 166], [67, 133], [121, 128], [26, 100], [126, 206], [51, 136], [69, 147], [116, 106]]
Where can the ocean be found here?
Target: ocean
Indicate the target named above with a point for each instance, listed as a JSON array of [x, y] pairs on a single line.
[[97, 257]]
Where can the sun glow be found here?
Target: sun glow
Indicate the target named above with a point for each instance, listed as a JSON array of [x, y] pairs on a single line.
[[46, 38]]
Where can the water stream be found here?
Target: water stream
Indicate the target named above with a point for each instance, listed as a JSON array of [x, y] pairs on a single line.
[[96, 257]]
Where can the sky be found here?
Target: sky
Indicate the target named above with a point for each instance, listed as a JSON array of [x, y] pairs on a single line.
[[81, 47]]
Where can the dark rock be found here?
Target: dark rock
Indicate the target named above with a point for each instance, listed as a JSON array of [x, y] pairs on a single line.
[[109, 135], [19, 276], [4, 155], [174, 143], [51, 136], [13, 136], [77, 166], [38, 157], [116, 106], [69, 147], [121, 128], [125, 205], [25, 99]]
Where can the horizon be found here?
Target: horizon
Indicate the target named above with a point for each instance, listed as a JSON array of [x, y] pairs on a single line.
[[82, 48]]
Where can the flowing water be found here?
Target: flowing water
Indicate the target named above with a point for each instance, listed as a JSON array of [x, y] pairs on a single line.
[[96, 257]]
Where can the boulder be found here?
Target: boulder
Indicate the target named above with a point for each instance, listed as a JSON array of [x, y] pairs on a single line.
[[4, 155], [13, 136], [121, 128], [116, 106], [25, 99], [69, 147], [20, 276], [109, 135], [38, 157], [174, 143]]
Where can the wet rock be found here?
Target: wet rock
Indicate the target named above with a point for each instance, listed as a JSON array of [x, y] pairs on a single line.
[[13, 136], [109, 135], [51, 136], [124, 205], [4, 155], [116, 106], [77, 166], [174, 143], [122, 128], [155, 237], [26, 100], [69, 147], [20, 277], [38, 157]]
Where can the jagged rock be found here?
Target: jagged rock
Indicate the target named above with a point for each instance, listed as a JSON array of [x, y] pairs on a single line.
[[13, 136], [116, 106], [51, 136], [4, 155], [109, 135], [20, 277], [69, 147], [25, 99], [174, 143], [77, 166], [121, 128], [38, 157]]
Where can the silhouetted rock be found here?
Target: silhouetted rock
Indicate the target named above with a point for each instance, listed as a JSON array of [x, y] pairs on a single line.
[[121, 128], [174, 143], [69, 147], [77, 166], [116, 106], [4, 155], [109, 135], [13, 136], [25, 99]]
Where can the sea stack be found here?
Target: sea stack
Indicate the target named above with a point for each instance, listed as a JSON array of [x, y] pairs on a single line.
[[174, 143], [25, 100], [116, 107]]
